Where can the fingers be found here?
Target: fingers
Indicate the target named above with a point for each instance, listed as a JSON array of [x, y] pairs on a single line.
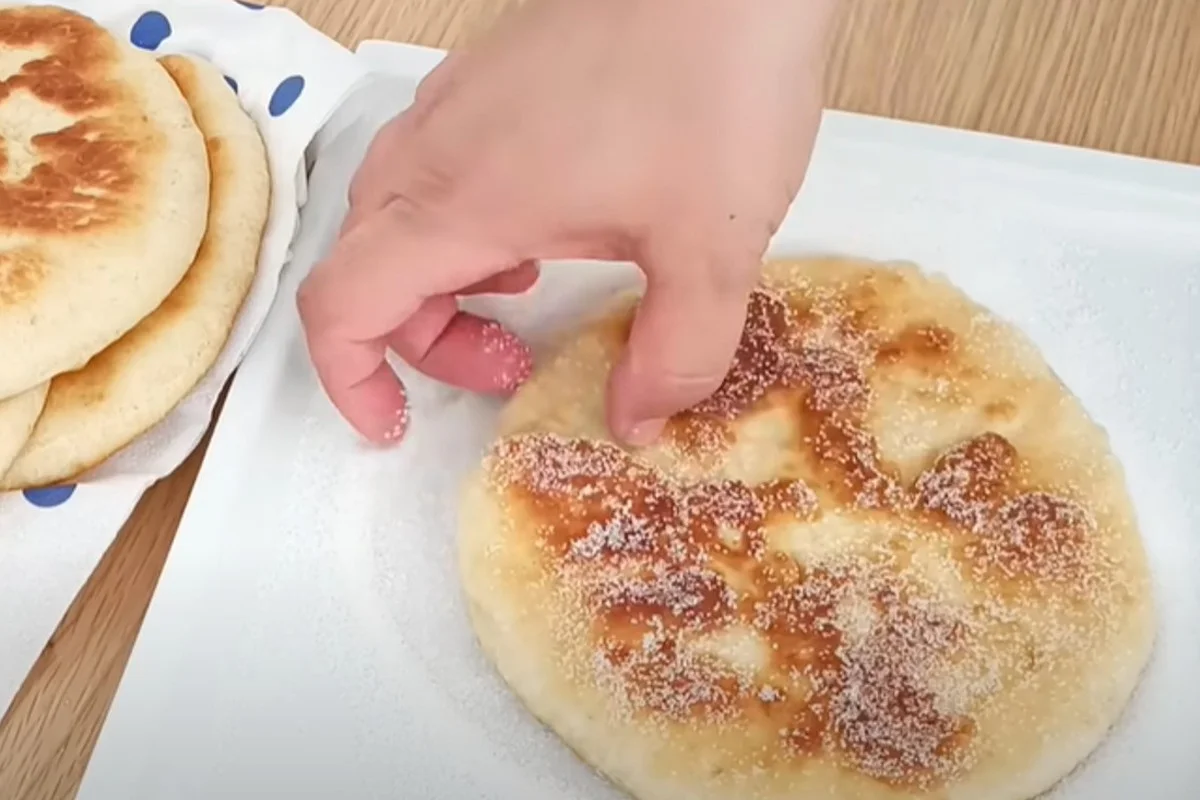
[[466, 350], [376, 277], [681, 345], [469, 352], [365, 390]]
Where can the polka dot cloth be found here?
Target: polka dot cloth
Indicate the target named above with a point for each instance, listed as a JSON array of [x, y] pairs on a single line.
[[51, 497], [153, 28], [150, 30], [285, 95]]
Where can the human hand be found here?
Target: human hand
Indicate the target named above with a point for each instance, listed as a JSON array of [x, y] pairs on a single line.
[[671, 133]]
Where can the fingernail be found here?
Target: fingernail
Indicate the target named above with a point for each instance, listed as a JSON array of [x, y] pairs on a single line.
[[646, 433]]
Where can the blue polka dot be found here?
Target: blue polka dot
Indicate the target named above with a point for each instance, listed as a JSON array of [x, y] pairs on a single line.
[[150, 30], [232, 83], [51, 497], [251, 6], [285, 95]]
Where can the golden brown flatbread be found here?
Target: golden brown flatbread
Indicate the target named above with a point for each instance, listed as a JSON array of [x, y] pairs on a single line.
[[892, 557], [18, 415], [92, 413], [103, 191]]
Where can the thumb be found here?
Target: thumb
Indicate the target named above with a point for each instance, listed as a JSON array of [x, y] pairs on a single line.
[[680, 347]]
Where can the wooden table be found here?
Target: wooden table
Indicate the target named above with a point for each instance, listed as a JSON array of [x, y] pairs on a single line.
[[1120, 75]]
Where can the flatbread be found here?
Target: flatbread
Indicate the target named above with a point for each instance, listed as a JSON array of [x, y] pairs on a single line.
[[18, 415], [132, 385], [103, 188], [891, 558]]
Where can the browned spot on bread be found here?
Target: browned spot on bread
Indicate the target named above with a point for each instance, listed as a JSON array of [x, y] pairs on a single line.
[[787, 498], [696, 438], [81, 175], [1035, 536], [827, 394], [923, 345], [965, 481]]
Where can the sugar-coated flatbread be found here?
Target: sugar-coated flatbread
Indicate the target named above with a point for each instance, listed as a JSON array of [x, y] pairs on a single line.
[[891, 558]]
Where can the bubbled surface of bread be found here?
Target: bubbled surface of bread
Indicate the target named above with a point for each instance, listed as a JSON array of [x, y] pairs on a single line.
[[103, 191], [892, 557]]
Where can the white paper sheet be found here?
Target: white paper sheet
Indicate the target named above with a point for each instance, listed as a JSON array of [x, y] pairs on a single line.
[[308, 638], [290, 78]]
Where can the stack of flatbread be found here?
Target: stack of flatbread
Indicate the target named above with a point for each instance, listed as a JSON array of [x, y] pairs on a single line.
[[134, 193]]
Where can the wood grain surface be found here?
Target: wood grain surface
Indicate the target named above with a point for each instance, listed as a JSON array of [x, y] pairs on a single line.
[[1120, 75]]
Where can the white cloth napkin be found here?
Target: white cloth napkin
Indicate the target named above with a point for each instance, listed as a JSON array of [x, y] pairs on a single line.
[[290, 78]]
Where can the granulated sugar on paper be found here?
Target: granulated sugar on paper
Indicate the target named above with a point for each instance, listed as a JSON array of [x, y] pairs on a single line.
[[403, 572]]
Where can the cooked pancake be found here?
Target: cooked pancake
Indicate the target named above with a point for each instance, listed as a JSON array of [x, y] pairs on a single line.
[[103, 191], [18, 415], [891, 557], [136, 382]]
